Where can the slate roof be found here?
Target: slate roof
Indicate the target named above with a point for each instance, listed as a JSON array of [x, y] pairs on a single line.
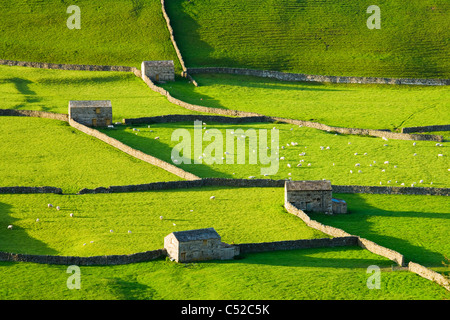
[[199, 234], [89, 104], [308, 185]]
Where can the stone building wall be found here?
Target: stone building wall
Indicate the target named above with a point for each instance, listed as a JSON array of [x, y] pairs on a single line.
[[91, 113], [158, 70]]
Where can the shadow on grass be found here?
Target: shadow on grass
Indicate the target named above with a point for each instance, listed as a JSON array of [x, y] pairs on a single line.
[[17, 240], [338, 257], [23, 87], [358, 223]]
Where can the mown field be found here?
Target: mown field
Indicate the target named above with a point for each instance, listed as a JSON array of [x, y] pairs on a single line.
[[341, 105], [119, 32], [342, 159], [315, 37]]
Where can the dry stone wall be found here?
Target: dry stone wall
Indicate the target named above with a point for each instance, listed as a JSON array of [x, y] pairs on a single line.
[[133, 152], [61, 66], [34, 114], [445, 127], [84, 261], [315, 125], [284, 76], [297, 244], [29, 190], [261, 183], [429, 274], [336, 232]]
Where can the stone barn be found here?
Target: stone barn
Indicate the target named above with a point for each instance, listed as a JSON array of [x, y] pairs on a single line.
[[313, 196], [91, 113], [163, 70], [198, 245]]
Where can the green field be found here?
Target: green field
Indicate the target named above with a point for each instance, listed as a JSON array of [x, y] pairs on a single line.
[[120, 32], [408, 164], [341, 105], [24, 88], [259, 217], [315, 37], [330, 274], [44, 152], [415, 226]]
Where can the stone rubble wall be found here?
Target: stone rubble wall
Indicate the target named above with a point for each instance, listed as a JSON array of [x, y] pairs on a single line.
[[445, 127], [284, 76], [29, 190], [336, 232], [133, 152], [429, 274]]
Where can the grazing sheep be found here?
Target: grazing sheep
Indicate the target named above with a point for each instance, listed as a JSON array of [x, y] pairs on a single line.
[[414, 144], [58, 208], [10, 227], [111, 231], [129, 231], [37, 220], [71, 215], [157, 138], [357, 165], [212, 198], [161, 217], [50, 205]]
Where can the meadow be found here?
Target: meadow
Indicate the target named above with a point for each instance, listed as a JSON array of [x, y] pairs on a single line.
[[321, 37], [259, 217], [349, 159], [327, 273], [24, 88], [367, 106], [44, 152], [120, 32]]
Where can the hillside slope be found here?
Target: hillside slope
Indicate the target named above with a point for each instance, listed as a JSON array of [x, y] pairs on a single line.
[[325, 37], [120, 32]]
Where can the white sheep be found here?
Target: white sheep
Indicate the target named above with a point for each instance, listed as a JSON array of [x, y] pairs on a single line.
[[58, 208], [212, 198], [50, 205], [71, 215], [161, 217], [10, 227]]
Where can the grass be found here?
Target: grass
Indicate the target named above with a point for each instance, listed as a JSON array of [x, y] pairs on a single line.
[[44, 152], [408, 164], [51, 90], [122, 32], [259, 217], [340, 105], [328, 274], [415, 226], [325, 37]]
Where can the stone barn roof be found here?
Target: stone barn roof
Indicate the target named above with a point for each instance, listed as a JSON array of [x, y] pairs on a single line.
[[90, 104], [193, 235], [319, 185]]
